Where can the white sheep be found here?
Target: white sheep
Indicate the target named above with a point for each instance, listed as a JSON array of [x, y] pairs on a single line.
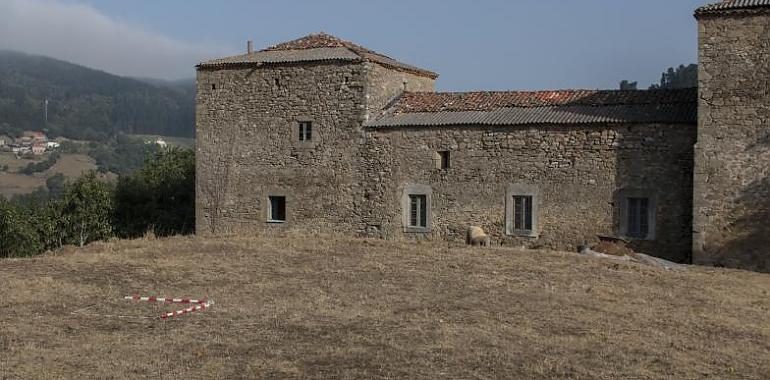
[[476, 237]]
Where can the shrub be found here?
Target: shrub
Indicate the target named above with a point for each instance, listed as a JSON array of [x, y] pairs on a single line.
[[18, 237], [159, 197], [86, 210]]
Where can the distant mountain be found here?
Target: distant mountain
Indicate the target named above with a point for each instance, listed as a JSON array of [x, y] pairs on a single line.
[[89, 104]]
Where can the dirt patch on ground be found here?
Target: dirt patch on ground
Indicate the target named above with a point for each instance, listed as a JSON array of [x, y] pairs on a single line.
[[72, 165], [326, 308]]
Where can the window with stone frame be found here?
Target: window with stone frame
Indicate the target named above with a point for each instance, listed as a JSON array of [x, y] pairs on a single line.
[[522, 213], [638, 213], [418, 210], [521, 210], [305, 130], [276, 209], [416, 206], [442, 159]]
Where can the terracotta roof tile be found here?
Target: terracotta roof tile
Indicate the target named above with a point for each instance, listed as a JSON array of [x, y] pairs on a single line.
[[728, 6], [490, 100], [540, 107], [316, 47]]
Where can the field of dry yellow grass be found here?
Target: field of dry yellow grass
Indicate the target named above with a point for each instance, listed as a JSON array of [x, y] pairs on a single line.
[[362, 309], [71, 166]]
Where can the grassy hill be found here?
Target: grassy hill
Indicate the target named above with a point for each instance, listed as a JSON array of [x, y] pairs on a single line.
[[88, 104], [71, 166], [345, 308]]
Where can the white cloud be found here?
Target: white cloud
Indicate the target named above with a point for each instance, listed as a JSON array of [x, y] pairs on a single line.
[[81, 34]]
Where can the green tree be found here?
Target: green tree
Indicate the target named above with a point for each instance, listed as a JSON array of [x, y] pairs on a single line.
[[18, 237], [55, 185], [159, 197], [87, 209], [49, 223], [681, 77], [626, 85]]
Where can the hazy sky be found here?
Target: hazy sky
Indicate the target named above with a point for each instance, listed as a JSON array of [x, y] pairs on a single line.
[[479, 44]]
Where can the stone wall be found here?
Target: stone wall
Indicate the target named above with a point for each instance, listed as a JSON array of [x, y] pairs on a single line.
[[247, 146], [578, 172], [384, 84], [351, 180], [732, 164]]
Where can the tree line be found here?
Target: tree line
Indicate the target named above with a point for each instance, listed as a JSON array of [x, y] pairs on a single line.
[[679, 77], [87, 104], [157, 198]]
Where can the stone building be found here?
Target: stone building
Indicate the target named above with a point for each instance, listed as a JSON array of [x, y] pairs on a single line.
[[732, 161], [322, 135]]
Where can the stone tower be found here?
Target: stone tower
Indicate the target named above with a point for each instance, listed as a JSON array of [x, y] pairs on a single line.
[[279, 133], [732, 155]]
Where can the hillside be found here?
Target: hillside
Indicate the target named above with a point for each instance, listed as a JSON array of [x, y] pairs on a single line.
[[345, 308], [88, 104], [71, 166]]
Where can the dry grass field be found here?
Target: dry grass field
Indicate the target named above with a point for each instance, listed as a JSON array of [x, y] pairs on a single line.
[[361, 309], [71, 166]]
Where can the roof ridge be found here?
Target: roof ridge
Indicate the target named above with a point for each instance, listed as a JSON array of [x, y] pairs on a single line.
[[731, 6], [323, 40]]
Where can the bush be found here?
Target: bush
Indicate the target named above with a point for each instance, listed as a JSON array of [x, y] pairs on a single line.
[[18, 237], [158, 197], [86, 210]]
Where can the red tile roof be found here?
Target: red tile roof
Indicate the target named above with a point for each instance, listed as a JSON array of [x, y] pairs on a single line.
[[491, 100], [731, 6], [540, 108], [317, 47]]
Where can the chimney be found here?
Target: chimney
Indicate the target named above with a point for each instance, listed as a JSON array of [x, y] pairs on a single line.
[[249, 47]]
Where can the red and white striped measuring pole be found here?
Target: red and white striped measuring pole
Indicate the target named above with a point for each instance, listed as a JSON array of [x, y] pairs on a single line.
[[200, 305]]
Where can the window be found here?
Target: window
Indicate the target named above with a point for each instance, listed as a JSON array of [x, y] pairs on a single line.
[[522, 212], [277, 211], [213, 87], [638, 214], [305, 131], [442, 160], [416, 208], [418, 213]]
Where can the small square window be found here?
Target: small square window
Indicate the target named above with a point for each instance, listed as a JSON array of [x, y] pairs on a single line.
[[442, 160], [277, 211], [638, 214], [418, 210], [213, 87], [305, 131]]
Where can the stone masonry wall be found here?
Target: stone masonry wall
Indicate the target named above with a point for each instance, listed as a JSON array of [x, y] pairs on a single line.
[[384, 85], [732, 162], [247, 146], [579, 172]]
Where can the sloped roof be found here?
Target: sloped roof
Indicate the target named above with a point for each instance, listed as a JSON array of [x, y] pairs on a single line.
[[540, 107], [315, 47], [728, 6]]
